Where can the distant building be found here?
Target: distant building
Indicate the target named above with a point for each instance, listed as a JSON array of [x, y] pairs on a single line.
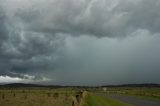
[[104, 89]]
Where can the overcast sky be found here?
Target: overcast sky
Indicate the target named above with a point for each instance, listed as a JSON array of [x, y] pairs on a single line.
[[80, 42]]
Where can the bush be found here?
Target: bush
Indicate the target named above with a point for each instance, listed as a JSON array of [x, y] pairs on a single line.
[[48, 94], [56, 95], [14, 94], [3, 96]]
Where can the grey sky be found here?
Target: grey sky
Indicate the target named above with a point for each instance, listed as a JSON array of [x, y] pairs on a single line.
[[80, 42]]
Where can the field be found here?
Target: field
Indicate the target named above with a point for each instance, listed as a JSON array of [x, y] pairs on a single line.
[[36, 97], [43, 96]]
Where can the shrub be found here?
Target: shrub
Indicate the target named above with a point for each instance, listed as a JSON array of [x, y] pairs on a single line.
[[14, 94], [56, 95], [48, 94], [23, 91], [3, 96]]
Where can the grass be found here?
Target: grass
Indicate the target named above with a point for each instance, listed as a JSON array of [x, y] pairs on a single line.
[[62, 96], [96, 100], [36, 97]]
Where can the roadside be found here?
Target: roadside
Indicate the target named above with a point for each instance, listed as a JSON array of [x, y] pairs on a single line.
[[136, 101], [96, 100]]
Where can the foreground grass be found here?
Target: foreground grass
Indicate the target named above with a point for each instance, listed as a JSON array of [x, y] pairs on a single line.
[[35, 97], [95, 100]]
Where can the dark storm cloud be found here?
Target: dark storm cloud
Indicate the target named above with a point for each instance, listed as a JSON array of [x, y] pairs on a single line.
[[3, 30], [91, 40], [93, 17]]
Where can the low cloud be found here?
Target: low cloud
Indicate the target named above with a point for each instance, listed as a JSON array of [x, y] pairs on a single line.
[[25, 79], [8, 79]]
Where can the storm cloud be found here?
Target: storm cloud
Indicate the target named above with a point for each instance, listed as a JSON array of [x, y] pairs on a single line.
[[84, 42]]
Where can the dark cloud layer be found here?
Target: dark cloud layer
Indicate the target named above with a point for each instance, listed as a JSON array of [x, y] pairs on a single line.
[[93, 17], [85, 42]]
